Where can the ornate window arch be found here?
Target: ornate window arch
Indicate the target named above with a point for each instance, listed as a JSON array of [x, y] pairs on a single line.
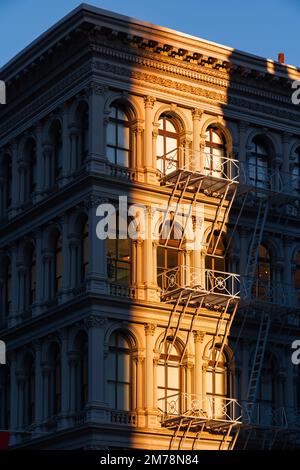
[[170, 258], [218, 381], [262, 284], [120, 371], [259, 163], [119, 135], [168, 143], [215, 152], [171, 377]]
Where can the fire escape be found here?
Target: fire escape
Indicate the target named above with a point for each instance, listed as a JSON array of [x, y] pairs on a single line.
[[194, 291], [269, 301]]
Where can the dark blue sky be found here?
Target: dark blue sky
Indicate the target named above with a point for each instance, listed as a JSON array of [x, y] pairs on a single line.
[[262, 27]]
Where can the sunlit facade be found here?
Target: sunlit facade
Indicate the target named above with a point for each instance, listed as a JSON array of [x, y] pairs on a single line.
[[113, 343]]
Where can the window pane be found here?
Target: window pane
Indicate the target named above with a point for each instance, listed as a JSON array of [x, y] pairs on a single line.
[[209, 382], [220, 383], [173, 377], [171, 145], [123, 400], [123, 137], [111, 154], [161, 376], [111, 133], [111, 398], [124, 249], [170, 126], [123, 273], [123, 157], [123, 368], [160, 145], [111, 365], [121, 115]]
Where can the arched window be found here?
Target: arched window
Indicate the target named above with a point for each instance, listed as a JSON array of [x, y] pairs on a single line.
[[167, 149], [81, 386], [84, 248], [83, 120], [57, 265], [29, 391], [30, 159], [119, 372], [296, 172], [261, 285], [215, 151], [170, 377], [54, 395], [258, 163], [169, 256], [118, 138], [217, 261], [217, 382], [119, 257], [297, 276]]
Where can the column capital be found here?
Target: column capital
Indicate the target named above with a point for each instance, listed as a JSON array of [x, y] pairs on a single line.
[[95, 322], [197, 113], [149, 101], [198, 336], [149, 329]]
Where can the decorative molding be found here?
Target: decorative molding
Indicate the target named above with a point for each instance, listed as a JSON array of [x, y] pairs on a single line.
[[95, 322], [149, 329]]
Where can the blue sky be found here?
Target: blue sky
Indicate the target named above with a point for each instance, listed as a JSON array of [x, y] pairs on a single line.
[[262, 27]]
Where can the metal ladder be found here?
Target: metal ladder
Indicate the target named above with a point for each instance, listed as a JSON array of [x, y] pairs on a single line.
[[258, 361]]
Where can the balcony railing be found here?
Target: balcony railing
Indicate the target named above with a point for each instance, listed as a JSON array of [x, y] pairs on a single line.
[[121, 290], [118, 171], [126, 418], [274, 293], [209, 407], [204, 281], [203, 163], [265, 414], [269, 179]]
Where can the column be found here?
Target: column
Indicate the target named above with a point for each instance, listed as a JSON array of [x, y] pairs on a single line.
[[46, 369], [148, 147], [66, 146], [36, 308], [96, 381], [14, 287], [149, 373], [39, 164], [13, 395], [195, 160], [38, 405], [138, 132], [48, 166], [97, 277], [74, 151], [67, 386], [290, 398], [15, 180], [97, 137], [242, 142], [149, 274], [198, 339], [65, 291], [245, 369], [139, 360], [20, 402]]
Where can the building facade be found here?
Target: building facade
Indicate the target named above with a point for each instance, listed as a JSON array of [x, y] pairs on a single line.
[[148, 342]]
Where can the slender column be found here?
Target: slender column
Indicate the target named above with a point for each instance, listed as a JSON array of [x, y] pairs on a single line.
[[66, 384], [39, 164], [195, 160], [15, 180], [97, 137], [65, 259], [149, 332], [14, 287], [198, 379], [73, 361], [20, 406], [48, 166], [13, 392], [97, 277], [65, 145], [245, 369], [46, 375], [242, 141], [36, 308], [95, 327], [74, 150], [38, 392], [149, 103]]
